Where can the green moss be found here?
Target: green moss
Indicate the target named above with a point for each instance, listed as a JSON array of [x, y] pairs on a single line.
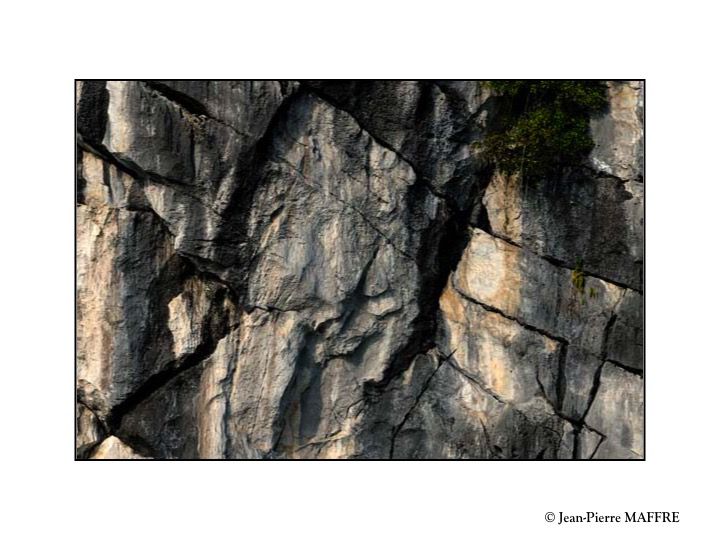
[[542, 126]]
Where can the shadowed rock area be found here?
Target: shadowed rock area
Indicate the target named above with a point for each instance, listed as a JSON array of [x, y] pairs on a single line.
[[332, 270]]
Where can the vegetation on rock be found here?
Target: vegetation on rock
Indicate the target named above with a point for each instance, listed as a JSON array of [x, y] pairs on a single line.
[[542, 126]]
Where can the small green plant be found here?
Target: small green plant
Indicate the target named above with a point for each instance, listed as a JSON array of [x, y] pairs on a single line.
[[577, 277], [579, 281], [542, 126]]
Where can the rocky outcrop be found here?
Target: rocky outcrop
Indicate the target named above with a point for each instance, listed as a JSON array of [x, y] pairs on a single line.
[[325, 269]]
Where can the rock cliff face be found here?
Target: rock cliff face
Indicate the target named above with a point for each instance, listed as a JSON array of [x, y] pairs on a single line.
[[329, 270]]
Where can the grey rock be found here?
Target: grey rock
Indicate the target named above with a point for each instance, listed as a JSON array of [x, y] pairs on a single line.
[[140, 308], [591, 222], [608, 449], [625, 340], [580, 372], [537, 293], [618, 411], [89, 430], [540, 298], [513, 363], [114, 448], [619, 134], [325, 270], [245, 106], [474, 424], [592, 218], [433, 125], [588, 445]]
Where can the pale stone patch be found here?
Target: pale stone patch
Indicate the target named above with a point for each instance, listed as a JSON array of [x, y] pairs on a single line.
[[186, 315], [114, 448], [506, 357], [617, 410]]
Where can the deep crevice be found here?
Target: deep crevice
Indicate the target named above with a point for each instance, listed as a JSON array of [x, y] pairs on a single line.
[[161, 378], [561, 384], [397, 429]]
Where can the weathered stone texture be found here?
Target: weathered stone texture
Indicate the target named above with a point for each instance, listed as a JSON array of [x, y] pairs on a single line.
[[114, 448], [329, 270], [620, 134]]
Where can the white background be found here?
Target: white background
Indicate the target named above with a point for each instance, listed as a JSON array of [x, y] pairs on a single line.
[[45, 45]]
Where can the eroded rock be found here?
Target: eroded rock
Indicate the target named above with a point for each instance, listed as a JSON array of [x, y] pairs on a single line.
[[617, 411], [299, 270], [114, 448], [594, 223], [619, 134]]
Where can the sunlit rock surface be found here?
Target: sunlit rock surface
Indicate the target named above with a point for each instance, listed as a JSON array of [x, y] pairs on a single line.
[[273, 270], [114, 448]]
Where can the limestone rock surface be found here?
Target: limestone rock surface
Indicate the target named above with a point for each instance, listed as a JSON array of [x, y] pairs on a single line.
[[328, 269]]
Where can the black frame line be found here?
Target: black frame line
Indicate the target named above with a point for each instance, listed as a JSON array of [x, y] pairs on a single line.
[[644, 285]]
